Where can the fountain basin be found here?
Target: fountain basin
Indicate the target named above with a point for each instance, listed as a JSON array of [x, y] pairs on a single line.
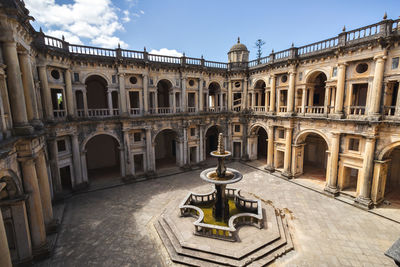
[[231, 176]]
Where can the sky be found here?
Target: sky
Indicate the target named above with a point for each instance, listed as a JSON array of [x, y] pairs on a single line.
[[203, 27]]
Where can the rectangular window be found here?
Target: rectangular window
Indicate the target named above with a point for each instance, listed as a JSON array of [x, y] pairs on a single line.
[[395, 63], [61, 146], [137, 137], [114, 79], [281, 134], [237, 128], [334, 71], [76, 77], [354, 144], [300, 76], [192, 131]]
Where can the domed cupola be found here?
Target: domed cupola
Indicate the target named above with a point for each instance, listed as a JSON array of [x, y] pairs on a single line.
[[238, 53]]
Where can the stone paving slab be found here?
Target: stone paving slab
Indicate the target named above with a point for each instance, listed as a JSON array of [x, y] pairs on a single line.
[[110, 227]]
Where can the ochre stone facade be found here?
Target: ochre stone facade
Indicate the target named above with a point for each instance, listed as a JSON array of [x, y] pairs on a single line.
[[72, 116]]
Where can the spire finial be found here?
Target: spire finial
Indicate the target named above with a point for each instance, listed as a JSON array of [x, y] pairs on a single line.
[[144, 49], [385, 15], [221, 148], [344, 28], [119, 46], [63, 38], [238, 40], [292, 44], [41, 31]]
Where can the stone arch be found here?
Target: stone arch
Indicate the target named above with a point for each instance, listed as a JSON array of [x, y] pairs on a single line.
[[211, 137], [90, 136], [178, 134], [168, 148], [165, 79], [88, 75], [214, 81], [257, 80], [385, 152], [254, 128], [257, 143], [311, 75], [310, 156]]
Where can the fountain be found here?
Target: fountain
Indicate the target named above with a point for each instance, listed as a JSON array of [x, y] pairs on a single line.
[[219, 214]]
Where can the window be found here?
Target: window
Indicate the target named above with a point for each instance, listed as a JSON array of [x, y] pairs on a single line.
[[237, 128], [191, 82], [61, 146], [133, 80], [300, 76], [224, 84], [137, 137], [55, 74], [192, 131], [395, 63], [354, 144], [362, 67], [281, 134], [113, 79], [76, 77], [334, 72], [237, 84], [284, 78]]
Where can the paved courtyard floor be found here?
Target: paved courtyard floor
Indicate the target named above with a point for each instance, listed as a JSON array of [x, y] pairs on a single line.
[[114, 227]]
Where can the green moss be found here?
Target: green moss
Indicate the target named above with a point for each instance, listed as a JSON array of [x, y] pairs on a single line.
[[208, 216]]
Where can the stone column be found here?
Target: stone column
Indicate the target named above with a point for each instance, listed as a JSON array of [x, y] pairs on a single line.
[[184, 97], [5, 259], [44, 188], [55, 171], [270, 156], [230, 95], [201, 142], [122, 161], [122, 95], [85, 177], [29, 89], [76, 159], [173, 98], [379, 180], [331, 186], [246, 89], [340, 89], [253, 99], [373, 109], [46, 95], [146, 93], [16, 89], [185, 146], [273, 92], [69, 93], [109, 101], [310, 98], [288, 152], [149, 151], [327, 99], [129, 157], [266, 100], [35, 211], [397, 109], [85, 104], [303, 101], [291, 91], [364, 197]]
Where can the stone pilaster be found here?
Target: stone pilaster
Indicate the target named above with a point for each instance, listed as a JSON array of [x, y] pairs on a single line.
[[46, 95], [76, 159], [270, 156], [69, 93], [375, 99], [55, 171], [273, 92], [184, 97], [5, 259], [291, 91], [122, 95], [364, 198], [16, 89], [34, 206], [288, 153], [146, 93], [341, 78], [45, 194], [331, 186]]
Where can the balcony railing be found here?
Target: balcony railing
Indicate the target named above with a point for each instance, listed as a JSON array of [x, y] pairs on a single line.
[[357, 110], [237, 108], [389, 111], [259, 109], [299, 109], [384, 28], [191, 109], [99, 112], [80, 112], [135, 112], [283, 109], [315, 109], [59, 114]]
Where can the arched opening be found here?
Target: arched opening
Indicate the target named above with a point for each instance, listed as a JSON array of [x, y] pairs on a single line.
[[392, 185], [103, 158], [214, 95], [165, 149], [212, 139], [96, 92], [163, 93], [314, 160], [316, 92], [262, 144], [79, 102], [259, 94]]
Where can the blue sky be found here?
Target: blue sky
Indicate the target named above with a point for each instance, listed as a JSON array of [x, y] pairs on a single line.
[[205, 27]]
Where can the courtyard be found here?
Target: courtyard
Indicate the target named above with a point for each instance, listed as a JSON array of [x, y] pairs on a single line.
[[114, 227]]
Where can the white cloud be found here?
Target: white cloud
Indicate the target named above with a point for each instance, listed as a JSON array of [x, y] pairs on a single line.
[[97, 21], [166, 52]]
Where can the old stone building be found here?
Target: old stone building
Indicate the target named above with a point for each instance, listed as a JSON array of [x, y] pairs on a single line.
[[73, 116]]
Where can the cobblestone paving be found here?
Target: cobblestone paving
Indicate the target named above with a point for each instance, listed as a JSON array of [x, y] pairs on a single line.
[[113, 227]]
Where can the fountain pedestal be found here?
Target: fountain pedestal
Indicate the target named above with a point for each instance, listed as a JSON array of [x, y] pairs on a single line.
[[221, 207]]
